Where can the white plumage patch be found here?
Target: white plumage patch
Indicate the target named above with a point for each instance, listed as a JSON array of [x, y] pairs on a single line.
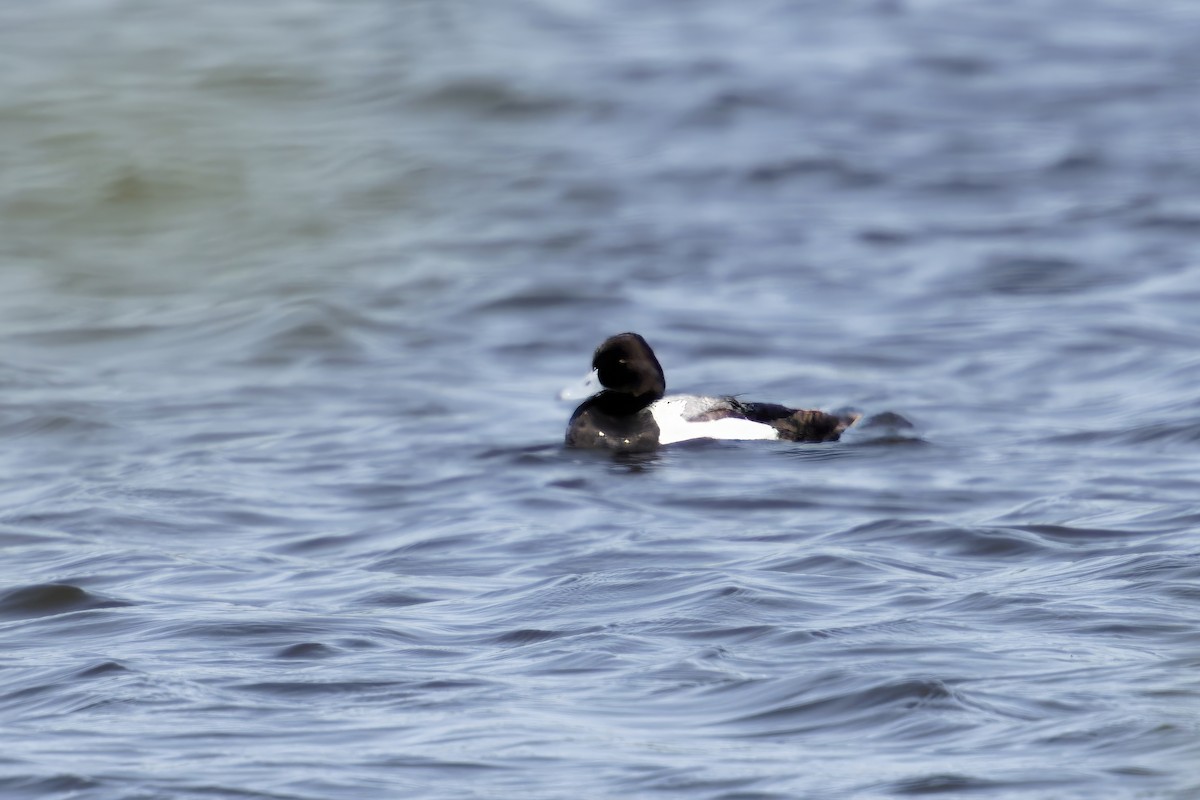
[[673, 416]]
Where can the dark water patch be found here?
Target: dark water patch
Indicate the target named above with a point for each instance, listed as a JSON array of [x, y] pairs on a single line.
[[1157, 566], [1078, 161], [446, 684], [52, 694], [306, 650], [407, 763], [76, 336], [890, 627], [313, 545], [147, 190], [738, 596], [1140, 772], [931, 536], [794, 169], [243, 629], [440, 655], [1171, 590], [379, 496], [1140, 626], [844, 707], [992, 604], [324, 330], [1075, 537], [1155, 333], [262, 82], [572, 484], [602, 561], [431, 545], [491, 97], [39, 787], [395, 599], [96, 625], [736, 504], [103, 668], [942, 784], [592, 197], [15, 537], [722, 105], [963, 65], [842, 565], [889, 422], [17, 377], [884, 236], [1181, 219], [539, 298], [967, 186], [526, 636], [1030, 274], [883, 437], [209, 791], [532, 454], [728, 635], [1183, 433], [50, 424], [319, 689], [49, 599], [689, 783]]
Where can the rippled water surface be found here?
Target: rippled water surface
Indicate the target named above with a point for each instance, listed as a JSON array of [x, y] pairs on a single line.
[[286, 292]]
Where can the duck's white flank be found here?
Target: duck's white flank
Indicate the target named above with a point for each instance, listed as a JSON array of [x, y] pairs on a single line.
[[673, 416]]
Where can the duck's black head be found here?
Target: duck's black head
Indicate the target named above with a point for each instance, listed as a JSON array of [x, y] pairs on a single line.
[[618, 416], [630, 374]]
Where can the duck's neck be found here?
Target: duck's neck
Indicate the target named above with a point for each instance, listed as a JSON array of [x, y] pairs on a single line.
[[619, 404]]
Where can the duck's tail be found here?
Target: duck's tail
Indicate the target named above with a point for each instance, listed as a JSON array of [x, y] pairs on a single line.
[[800, 425]]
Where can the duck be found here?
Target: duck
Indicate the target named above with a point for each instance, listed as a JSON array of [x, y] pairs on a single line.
[[630, 412]]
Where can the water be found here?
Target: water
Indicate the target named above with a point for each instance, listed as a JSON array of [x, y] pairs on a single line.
[[285, 296]]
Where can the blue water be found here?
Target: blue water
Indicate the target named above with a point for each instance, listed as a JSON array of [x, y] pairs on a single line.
[[286, 293]]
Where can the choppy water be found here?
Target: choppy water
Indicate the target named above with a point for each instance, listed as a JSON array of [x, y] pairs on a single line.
[[286, 291]]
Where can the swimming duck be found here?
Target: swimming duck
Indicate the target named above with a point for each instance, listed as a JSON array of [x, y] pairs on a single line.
[[629, 412]]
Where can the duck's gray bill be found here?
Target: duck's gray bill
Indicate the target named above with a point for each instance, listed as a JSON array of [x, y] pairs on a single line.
[[587, 387]]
